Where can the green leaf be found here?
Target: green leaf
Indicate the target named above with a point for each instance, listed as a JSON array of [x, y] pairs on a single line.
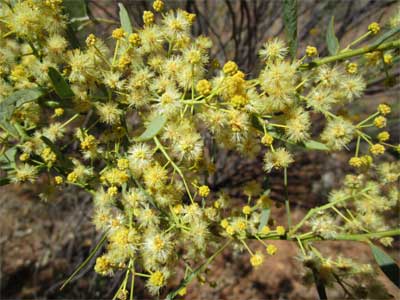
[[387, 265], [264, 218], [18, 98], [14, 101], [153, 129], [75, 9], [331, 39], [64, 162], [8, 157], [290, 22], [314, 145], [125, 20], [86, 261], [62, 88]]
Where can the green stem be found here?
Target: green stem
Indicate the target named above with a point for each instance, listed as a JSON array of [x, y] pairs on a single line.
[[177, 169], [313, 211], [350, 53]]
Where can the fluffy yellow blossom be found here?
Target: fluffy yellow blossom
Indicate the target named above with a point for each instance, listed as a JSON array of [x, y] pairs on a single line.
[[59, 112], [148, 17], [72, 177], [103, 265], [203, 87], [48, 156], [24, 157], [280, 230], [265, 230], [134, 39], [118, 33], [383, 136], [112, 191], [374, 27], [88, 143], [230, 230], [224, 223], [380, 122], [91, 40], [271, 249], [182, 291], [230, 68], [377, 149], [238, 101], [190, 17], [267, 139], [58, 180], [388, 59], [355, 162], [157, 279], [384, 109], [352, 68], [204, 191], [311, 51], [256, 260], [158, 5], [123, 163], [246, 209]]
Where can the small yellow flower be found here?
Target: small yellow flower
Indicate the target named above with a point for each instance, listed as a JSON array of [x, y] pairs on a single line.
[[374, 27], [267, 139], [256, 260], [118, 33], [366, 160], [58, 180], [59, 112], [91, 40], [380, 122], [89, 142], [158, 5], [48, 155], [24, 157], [388, 59], [148, 17], [190, 17], [246, 210], [204, 191], [203, 87], [352, 68], [177, 209], [230, 68], [383, 136], [271, 249], [224, 223], [280, 230], [230, 230], [355, 162], [384, 109], [134, 39], [238, 101], [157, 278], [122, 163], [377, 149], [265, 230], [311, 51], [182, 291], [72, 177], [112, 191]]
